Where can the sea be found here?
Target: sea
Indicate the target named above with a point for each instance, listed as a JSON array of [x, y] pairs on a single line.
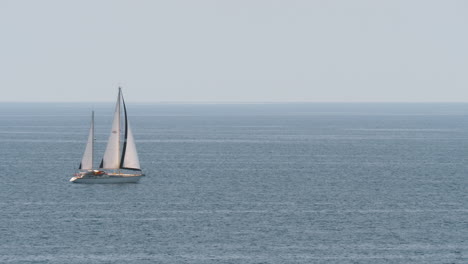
[[276, 183]]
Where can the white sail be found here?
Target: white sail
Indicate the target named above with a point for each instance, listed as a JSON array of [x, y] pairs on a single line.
[[111, 159], [130, 156], [87, 160]]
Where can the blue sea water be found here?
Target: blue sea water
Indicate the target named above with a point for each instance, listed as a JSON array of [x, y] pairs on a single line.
[[240, 183]]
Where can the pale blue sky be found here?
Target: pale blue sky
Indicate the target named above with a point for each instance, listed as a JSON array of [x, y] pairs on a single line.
[[234, 51]]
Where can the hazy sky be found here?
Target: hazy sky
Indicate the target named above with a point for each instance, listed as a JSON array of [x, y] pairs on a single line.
[[238, 50]]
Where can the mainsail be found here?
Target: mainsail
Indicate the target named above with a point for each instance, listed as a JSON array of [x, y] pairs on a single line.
[[87, 160], [112, 158]]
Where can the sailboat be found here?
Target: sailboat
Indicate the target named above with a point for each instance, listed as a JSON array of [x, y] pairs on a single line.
[[120, 162]]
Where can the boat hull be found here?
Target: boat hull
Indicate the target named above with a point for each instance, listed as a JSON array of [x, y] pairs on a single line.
[[107, 179]]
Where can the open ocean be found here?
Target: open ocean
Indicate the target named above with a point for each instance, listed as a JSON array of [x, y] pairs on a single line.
[[240, 183]]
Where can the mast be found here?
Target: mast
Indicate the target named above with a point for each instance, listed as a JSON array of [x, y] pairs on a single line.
[[119, 130], [92, 139]]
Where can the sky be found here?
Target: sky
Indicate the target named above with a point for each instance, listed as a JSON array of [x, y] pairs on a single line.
[[234, 51]]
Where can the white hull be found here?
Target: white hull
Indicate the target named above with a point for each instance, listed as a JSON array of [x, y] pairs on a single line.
[[126, 178]]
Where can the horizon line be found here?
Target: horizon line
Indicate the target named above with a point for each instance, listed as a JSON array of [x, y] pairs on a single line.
[[244, 102]]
